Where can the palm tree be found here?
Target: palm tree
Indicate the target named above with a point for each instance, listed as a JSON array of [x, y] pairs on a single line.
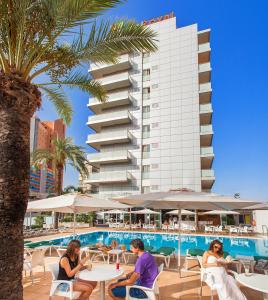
[[64, 152], [53, 38]]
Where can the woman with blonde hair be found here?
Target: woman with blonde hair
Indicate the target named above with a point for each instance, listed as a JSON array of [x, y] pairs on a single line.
[[70, 264]]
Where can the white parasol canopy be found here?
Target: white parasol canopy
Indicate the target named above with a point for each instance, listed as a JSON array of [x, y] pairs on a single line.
[[73, 203], [184, 212], [220, 212], [145, 211], [177, 199]]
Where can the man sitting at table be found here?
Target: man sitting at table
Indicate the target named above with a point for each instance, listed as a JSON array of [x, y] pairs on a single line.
[[144, 274]]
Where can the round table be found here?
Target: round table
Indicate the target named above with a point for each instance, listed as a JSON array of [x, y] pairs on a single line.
[[258, 282], [101, 273]]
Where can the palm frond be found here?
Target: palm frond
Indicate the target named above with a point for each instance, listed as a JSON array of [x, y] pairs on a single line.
[[107, 40], [85, 83], [41, 156], [60, 101]]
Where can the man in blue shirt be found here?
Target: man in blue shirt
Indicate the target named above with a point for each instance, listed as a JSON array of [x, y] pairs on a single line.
[[144, 274]]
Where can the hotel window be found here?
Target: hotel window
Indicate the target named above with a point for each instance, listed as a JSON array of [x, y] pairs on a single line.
[[155, 125], [155, 187], [154, 68], [145, 151], [155, 145], [145, 172], [155, 86], [155, 105], [146, 75], [155, 166], [146, 93], [145, 131], [146, 57], [146, 112]]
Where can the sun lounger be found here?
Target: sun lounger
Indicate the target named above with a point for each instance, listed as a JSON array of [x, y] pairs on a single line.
[[164, 252]]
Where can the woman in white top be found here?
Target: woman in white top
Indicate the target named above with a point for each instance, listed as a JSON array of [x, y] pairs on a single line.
[[215, 264]]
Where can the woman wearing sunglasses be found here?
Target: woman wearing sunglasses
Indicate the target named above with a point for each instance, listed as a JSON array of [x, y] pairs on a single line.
[[215, 264]]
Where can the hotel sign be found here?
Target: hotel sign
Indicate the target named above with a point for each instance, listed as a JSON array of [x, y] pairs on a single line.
[[159, 19]]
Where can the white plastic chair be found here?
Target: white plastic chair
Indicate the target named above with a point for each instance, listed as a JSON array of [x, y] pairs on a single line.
[[34, 259], [151, 293], [70, 294], [208, 278], [60, 251]]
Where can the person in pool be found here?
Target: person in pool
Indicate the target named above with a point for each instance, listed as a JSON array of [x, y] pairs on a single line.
[[144, 274], [69, 265]]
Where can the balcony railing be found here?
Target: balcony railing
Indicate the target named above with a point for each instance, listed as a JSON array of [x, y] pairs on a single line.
[[108, 157], [206, 67], [204, 47], [205, 108], [207, 151], [205, 87], [115, 81], [110, 137], [111, 118], [109, 177], [207, 174], [206, 129], [114, 99], [123, 63]]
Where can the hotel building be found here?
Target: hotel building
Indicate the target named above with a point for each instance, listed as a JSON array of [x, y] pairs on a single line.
[[154, 133], [42, 179]]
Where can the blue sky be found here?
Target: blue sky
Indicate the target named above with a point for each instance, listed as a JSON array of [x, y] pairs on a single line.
[[239, 80]]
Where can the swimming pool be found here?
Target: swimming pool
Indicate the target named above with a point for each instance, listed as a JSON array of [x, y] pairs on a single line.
[[235, 246]]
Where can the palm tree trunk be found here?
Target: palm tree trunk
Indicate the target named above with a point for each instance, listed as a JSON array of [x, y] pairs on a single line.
[[59, 172], [18, 101]]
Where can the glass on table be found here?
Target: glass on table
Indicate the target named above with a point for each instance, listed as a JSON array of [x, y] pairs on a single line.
[[246, 265]]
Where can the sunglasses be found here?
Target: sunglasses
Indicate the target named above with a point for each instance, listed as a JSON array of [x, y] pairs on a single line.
[[217, 247]]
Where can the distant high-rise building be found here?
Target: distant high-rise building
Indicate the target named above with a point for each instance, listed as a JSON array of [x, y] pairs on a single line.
[[155, 131], [42, 179]]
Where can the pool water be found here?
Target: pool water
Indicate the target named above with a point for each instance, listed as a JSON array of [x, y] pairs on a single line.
[[235, 246]]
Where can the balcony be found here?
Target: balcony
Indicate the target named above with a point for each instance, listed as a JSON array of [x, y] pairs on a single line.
[[108, 177], [117, 81], [98, 158], [123, 64], [107, 138], [114, 99], [146, 78], [206, 135], [205, 111], [207, 179], [205, 92], [207, 156], [204, 73], [204, 36], [96, 122], [204, 53]]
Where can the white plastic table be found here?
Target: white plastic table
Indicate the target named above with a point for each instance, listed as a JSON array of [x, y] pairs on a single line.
[[101, 273], [258, 282]]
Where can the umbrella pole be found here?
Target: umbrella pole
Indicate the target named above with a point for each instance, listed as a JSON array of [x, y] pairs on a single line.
[[179, 243], [74, 222]]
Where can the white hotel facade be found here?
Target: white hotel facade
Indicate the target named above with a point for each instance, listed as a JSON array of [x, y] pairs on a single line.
[[155, 131]]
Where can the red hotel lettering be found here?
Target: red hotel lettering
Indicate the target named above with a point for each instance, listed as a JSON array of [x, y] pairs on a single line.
[[158, 19]]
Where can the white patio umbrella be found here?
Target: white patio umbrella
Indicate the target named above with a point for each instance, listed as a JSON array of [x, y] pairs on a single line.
[[220, 213], [73, 203], [184, 212], [185, 200]]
